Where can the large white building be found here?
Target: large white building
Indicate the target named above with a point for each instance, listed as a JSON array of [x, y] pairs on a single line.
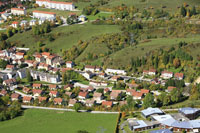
[[115, 71], [44, 15], [18, 11], [56, 5]]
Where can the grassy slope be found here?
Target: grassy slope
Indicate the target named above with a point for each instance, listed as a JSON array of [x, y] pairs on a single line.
[[170, 5], [70, 35], [123, 56], [46, 121]]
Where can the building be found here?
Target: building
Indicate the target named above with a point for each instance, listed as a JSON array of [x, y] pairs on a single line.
[[32, 22], [167, 75], [58, 101], [115, 94], [70, 64], [15, 97], [37, 92], [89, 102], [83, 95], [18, 11], [97, 96], [27, 99], [82, 18], [179, 76], [191, 113], [140, 125], [137, 95], [107, 104], [15, 24], [53, 93], [115, 71], [56, 5], [161, 131], [151, 111], [44, 15]]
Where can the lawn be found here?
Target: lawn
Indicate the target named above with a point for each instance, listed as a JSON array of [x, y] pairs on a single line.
[[66, 36], [48, 121]]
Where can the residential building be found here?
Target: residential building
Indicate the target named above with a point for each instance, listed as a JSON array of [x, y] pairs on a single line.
[[58, 101], [18, 11], [179, 76], [72, 102], [53, 93], [15, 24], [191, 113], [115, 71], [151, 111], [43, 14], [56, 5], [107, 104], [27, 99], [15, 97], [167, 75], [37, 92], [98, 96], [83, 95], [70, 64]]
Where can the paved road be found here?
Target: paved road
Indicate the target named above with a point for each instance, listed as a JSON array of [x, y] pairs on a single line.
[[64, 109]]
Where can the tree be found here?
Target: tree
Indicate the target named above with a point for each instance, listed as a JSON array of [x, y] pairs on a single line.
[[176, 62], [193, 12], [77, 107], [28, 76], [183, 11], [148, 101]]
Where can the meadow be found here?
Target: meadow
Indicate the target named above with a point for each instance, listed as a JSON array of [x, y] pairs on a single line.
[[66, 36], [48, 121]]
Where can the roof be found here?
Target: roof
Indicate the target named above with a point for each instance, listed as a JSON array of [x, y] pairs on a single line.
[[137, 94], [137, 123], [68, 93], [58, 100], [15, 22], [188, 110], [37, 85], [163, 72], [19, 9], [53, 92], [96, 94], [37, 91], [161, 131], [27, 98], [10, 66], [151, 111], [83, 94], [44, 12], [42, 99], [90, 67], [4, 92], [72, 101], [15, 95], [107, 103], [178, 75], [170, 88], [52, 86], [145, 91]]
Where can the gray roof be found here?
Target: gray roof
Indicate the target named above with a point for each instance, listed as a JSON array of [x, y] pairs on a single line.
[[137, 124], [151, 111], [33, 20], [188, 110], [6, 14], [162, 131], [82, 16]]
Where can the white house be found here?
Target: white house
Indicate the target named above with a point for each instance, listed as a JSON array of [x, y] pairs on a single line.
[[22, 73], [5, 16], [32, 22], [167, 75], [56, 5], [115, 71], [18, 11], [24, 23], [69, 64], [43, 14], [15, 24]]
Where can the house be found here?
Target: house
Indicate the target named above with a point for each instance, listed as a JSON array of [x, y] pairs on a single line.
[[179, 76], [24, 23], [43, 66], [82, 18], [3, 92], [44, 15], [106, 90], [53, 93], [15, 24], [58, 101], [26, 90], [22, 73], [115, 71], [89, 102], [107, 104], [5, 16], [70, 64], [161, 131], [42, 99], [49, 59], [130, 91], [96, 83], [56, 5], [18, 11], [37, 86], [10, 82], [151, 111], [53, 87], [97, 96], [152, 72], [102, 75], [121, 103], [37, 92], [27, 99], [89, 68], [144, 91], [137, 95], [10, 67], [191, 113], [15, 97], [88, 75], [72, 102], [115, 94], [70, 94], [39, 58], [84, 89], [115, 78], [32, 22], [19, 55], [170, 88], [41, 21], [68, 87], [83, 95], [167, 75], [90, 89]]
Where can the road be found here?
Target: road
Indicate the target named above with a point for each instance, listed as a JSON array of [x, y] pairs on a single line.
[[65, 109]]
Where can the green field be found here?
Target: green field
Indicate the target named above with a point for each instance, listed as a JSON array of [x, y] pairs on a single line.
[[170, 5], [47, 121], [66, 36]]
